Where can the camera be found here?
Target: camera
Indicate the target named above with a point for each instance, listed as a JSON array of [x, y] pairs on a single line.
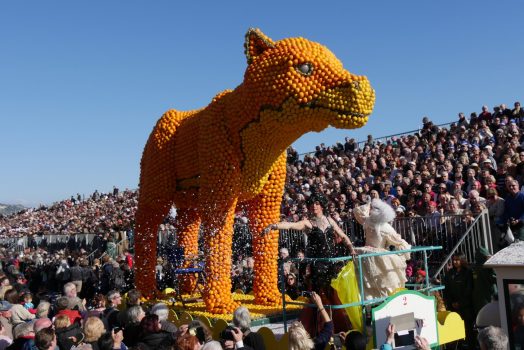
[[307, 294], [227, 333]]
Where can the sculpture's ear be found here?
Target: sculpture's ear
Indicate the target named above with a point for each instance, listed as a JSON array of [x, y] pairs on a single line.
[[256, 43]]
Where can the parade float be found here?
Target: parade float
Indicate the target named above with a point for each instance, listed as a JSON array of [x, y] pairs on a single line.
[[232, 154]]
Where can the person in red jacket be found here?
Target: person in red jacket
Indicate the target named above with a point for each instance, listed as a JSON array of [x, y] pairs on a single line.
[[62, 305]]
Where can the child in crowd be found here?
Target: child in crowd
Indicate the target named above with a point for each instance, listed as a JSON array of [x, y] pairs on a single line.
[[28, 303]]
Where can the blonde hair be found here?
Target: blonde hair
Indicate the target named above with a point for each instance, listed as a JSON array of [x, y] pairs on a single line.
[[299, 338], [42, 310], [93, 329], [62, 321]]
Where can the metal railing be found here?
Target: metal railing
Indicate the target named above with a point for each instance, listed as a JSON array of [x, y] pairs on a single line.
[[478, 234], [451, 232], [383, 139]]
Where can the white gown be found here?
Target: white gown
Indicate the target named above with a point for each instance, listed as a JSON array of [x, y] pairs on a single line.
[[382, 275]]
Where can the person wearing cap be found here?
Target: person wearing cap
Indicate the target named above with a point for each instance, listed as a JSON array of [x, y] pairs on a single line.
[[5, 319], [489, 164]]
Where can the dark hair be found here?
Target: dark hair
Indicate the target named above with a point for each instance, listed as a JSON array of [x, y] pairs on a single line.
[[11, 296], [149, 324], [99, 300], [133, 297], [44, 338], [317, 197], [355, 341], [462, 258], [227, 333], [105, 342]]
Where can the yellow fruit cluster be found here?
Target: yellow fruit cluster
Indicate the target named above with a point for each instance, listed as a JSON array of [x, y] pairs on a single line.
[[232, 154]]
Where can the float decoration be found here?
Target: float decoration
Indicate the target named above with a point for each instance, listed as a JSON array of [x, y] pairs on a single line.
[[233, 153]]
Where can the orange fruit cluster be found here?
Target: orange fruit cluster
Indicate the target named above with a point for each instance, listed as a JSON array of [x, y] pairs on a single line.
[[232, 154]]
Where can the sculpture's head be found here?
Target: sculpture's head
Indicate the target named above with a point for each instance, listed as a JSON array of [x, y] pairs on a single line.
[[307, 81]]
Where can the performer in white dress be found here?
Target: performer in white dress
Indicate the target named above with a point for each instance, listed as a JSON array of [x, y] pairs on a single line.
[[382, 274]]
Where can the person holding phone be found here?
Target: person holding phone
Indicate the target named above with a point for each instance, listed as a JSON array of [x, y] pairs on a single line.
[[242, 320], [113, 340], [300, 339], [421, 343]]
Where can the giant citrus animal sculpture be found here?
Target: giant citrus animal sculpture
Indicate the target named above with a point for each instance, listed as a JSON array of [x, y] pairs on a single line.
[[233, 152]]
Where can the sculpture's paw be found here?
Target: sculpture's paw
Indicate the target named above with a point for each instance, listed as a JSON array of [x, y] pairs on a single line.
[[224, 307], [270, 299]]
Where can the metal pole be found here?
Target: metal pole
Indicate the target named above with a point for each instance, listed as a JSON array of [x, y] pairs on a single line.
[[361, 278], [283, 283], [426, 269]]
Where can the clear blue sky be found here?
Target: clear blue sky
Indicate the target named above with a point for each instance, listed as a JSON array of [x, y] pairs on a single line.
[[83, 82]]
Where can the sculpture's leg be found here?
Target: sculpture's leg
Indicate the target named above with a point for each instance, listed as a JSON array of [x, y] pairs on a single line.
[[263, 211], [217, 223], [148, 219], [187, 226]]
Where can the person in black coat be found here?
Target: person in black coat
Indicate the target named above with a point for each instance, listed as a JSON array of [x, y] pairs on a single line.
[[458, 293], [67, 334], [151, 334], [135, 314]]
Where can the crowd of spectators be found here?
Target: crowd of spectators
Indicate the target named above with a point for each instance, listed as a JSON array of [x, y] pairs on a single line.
[[59, 302], [460, 169], [100, 212], [471, 161]]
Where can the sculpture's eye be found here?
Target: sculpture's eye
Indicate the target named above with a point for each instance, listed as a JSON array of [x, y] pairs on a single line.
[[305, 68]]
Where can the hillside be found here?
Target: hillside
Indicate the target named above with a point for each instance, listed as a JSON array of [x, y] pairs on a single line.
[[6, 209]]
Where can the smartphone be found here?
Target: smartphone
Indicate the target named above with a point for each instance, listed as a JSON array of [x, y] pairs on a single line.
[[337, 341], [405, 338]]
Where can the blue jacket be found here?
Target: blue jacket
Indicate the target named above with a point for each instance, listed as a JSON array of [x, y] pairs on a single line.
[[513, 208]]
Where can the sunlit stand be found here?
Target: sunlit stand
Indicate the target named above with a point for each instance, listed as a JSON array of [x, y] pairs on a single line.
[[449, 327]]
